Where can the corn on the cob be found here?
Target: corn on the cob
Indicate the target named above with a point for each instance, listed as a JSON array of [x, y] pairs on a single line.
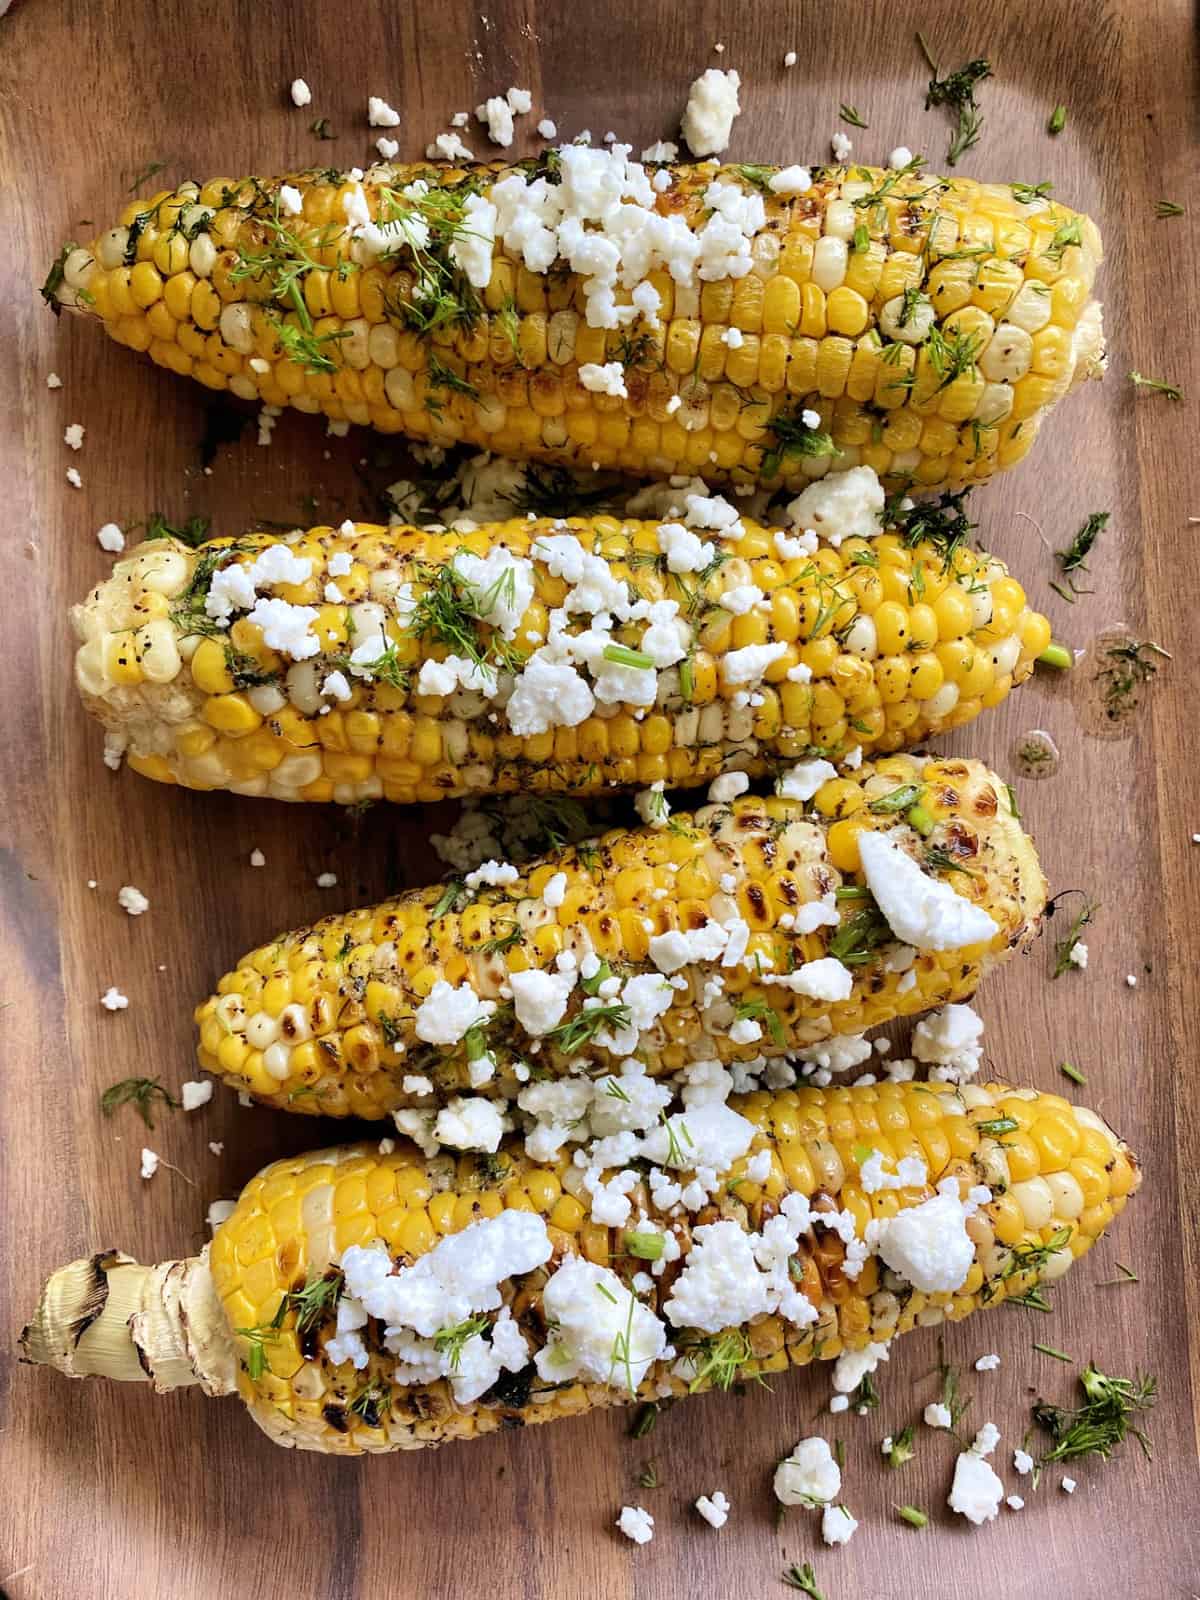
[[324, 1020], [256, 1311], [876, 644], [930, 323]]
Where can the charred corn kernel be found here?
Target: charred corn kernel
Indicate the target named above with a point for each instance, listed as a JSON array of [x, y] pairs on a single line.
[[263, 1303], [877, 644], [811, 313], [331, 1004]]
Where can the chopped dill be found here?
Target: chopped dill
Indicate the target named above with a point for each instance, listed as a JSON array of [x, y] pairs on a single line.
[[957, 92]]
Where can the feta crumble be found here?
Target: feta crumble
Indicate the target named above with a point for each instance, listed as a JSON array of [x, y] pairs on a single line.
[[132, 900], [976, 1492], [809, 1476], [150, 1162], [841, 505], [301, 93], [448, 1013], [921, 911], [195, 1093], [73, 436], [113, 1000], [837, 1525], [380, 114], [711, 107], [636, 1524], [599, 1331], [714, 1508]]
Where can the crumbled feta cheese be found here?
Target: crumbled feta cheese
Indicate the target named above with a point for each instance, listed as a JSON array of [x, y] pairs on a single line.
[[497, 874], [195, 1093], [987, 1363], [132, 900], [496, 113], [448, 1013], [449, 147], [727, 787], [938, 1416], [53, 381], [111, 538], [548, 694], [113, 1000], [257, 859], [1131, 980], [589, 1311], [326, 880], [1077, 955], [540, 998], [220, 1211], [852, 1366], [714, 1508], [748, 664], [653, 807], [416, 1083], [469, 1122], [389, 149], [301, 93], [380, 114], [789, 59], [841, 146], [73, 436], [684, 550], [150, 1163], [790, 180], [606, 379], [837, 1525], [839, 1403], [922, 911], [911, 1173], [841, 505], [809, 1476], [520, 102], [74, 479], [711, 107], [1069, 1485], [636, 1524], [1015, 1503], [928, 1244], [1022, 1463], [949, 1040], [986, 1439], [547, 129], [977, 1491], [803, 780], [900, 157]]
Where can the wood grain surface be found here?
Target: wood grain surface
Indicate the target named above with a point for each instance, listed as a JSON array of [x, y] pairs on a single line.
[[108, 1491]]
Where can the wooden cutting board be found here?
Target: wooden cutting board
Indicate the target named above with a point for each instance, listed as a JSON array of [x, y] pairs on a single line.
[[113, 1494]]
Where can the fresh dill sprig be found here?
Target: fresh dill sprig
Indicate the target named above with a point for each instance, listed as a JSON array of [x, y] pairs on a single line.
[[952, 1398], [957, 91], [1103, 1421], [648, 1477], [1168, 208], [804, 1579], [1050, 1350], [150, 170], [140, 1093], [1128, 1275], [865, 1397], [1155, 386], [450, 1341], [675, 1156], [1066, 234], [1074, 557], [757, 1009], [1063, 947], [719, 1360], [501, 942], [577, 1032], [938, 859], [644, 1420], [1033, 1257], [453, 894], [758, 177], [859, 936], [853, 116], [1026, 193], [1128, 665], [193, 532], [555, 491], [450, 609], [312, 1302], [1034, 1299], [943, 522], [794, 438], [372, 1402]]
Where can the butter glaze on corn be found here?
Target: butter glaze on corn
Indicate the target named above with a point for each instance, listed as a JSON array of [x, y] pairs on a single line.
[[321, 1021], [822, 315], [900, 644], [1061, 1168]]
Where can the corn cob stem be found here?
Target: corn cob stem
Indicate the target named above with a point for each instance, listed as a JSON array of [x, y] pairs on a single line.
[[929, 323], [1057, 1173], [324, 1020], [107, 1316], [875, 645]]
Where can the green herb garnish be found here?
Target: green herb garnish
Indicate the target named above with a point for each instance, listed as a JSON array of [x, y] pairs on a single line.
[[1103, 1421], [957, 91], [902, 1450], [1130, 664], [1058, 120], [1156, 386], [1167, 208], [911, 1515], [719, 1359], [804, 1579], [140, 1093], [450, 1341], [1063, 947], [853, 116]]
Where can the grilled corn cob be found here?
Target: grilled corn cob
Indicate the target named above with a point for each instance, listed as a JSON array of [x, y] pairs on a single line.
[[875, 643], [255, 1312], [929, 323], [324, 1020]]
